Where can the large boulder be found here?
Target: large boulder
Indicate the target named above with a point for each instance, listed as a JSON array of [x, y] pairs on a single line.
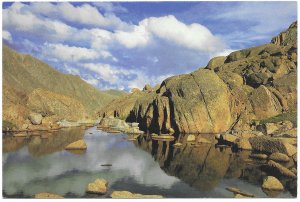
[[264, 103], [35, 118], [99, 186], [287, 86], [194, 103], [279, 157], [215, 62], [279, 169], [272, 183], [271, 145]]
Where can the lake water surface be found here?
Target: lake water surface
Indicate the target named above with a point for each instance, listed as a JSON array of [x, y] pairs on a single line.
[[39, 163]]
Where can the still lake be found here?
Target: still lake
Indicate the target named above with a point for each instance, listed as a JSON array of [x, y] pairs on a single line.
[[39, 163]]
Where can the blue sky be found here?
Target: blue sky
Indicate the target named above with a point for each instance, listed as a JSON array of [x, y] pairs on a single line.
[[123, 45]]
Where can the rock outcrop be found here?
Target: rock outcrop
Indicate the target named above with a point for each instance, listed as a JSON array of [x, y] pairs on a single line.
[[228, 94]]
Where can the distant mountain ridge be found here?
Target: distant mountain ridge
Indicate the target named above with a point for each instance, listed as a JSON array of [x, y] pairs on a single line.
[[22, 74]]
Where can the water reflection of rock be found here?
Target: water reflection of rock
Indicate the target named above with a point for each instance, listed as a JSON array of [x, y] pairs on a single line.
[[11, 144], [52, 142], [203, 166]]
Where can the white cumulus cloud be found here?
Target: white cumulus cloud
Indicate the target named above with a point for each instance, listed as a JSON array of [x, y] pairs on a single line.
[[7, 36], [69, 53], [168, 28]]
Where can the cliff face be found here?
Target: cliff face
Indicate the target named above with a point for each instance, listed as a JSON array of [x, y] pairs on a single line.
[[29, 85], [229, 93]]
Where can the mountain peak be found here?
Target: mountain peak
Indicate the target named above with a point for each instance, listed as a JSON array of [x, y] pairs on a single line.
[[287, 37]]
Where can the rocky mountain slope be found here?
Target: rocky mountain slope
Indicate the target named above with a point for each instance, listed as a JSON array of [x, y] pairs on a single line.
[[29, 85], [230, 93]]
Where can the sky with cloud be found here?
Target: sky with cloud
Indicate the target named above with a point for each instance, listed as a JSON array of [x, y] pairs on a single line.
[[123, 45]]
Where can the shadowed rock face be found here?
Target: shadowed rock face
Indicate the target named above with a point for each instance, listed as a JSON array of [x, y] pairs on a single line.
[[204, 166], [250, 84]]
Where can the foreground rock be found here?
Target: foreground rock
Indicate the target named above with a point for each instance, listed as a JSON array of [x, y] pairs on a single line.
[[279, 169], [45, 195], [127, 194], [272, 183], [279, 157], [78, 145], [271, 145], [35, 118], [99, 186]]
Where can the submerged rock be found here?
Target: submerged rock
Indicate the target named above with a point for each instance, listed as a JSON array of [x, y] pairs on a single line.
[[45, 195], [272, 183], [99, 186], [79, 144], [127, 194]]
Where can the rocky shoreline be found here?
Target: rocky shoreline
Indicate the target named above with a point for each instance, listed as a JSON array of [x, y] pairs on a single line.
[[276, 152]]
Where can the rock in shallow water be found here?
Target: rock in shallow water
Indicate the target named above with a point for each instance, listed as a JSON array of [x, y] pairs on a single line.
[[272, 183], [271, 145], [79, 144], [278, 168], [45, 195], [99, 186], [127, 194]]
